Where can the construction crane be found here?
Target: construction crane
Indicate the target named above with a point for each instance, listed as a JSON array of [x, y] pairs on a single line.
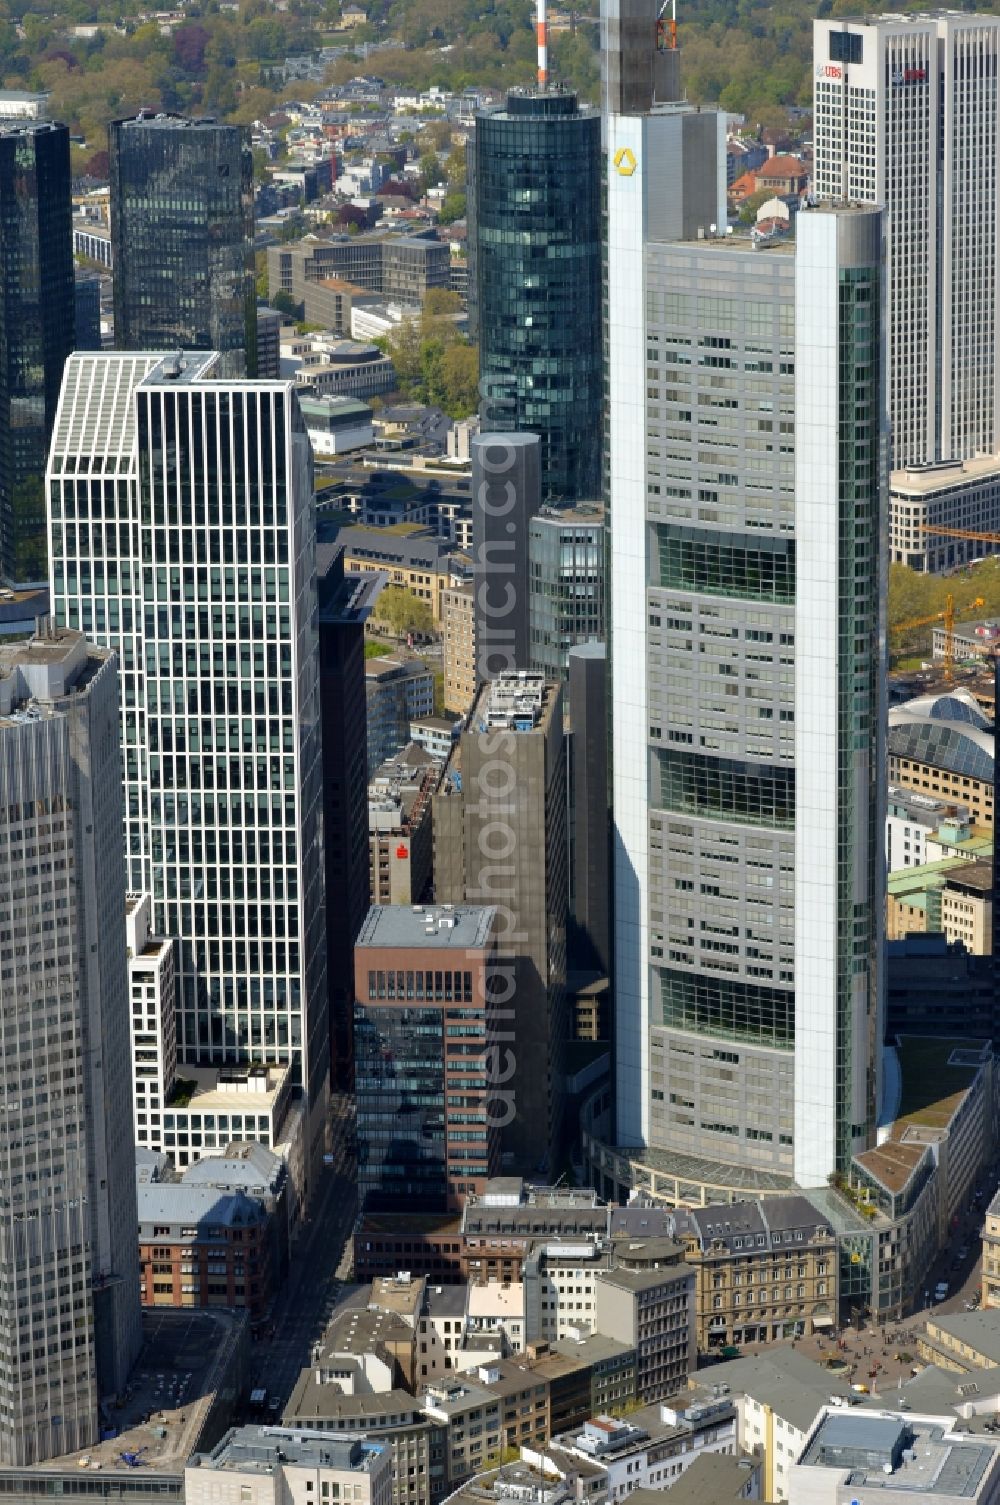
[[948, 617], [959, 533], [666, 31]]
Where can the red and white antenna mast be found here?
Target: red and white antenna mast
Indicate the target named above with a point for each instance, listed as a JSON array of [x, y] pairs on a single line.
[[542, 32]]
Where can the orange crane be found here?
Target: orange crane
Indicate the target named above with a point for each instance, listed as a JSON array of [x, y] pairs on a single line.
[[948, 617], [959, 533]]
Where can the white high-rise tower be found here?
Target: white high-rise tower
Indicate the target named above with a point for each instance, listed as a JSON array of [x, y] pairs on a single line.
[[906, 116], [747, 449], [182, 535]]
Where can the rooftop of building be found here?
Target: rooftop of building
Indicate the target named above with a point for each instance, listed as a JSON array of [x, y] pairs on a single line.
[[496, 1299], [922, 1455], [924, 809], [576, 513], [252, 1168], [925, 480], [712, 1479], [978, 1331], [519, 1480], [402, 1294], [794, 1386], [257, 1450], [432, 927], [233, 1089], [907, 883], [312, 1400], [522, 1221], [385, 669], [187, 1356], [738, 1225], [936, 1074], [638, 1281], [184, 1204], [519, 700], [163, 120], [404, 548], [457, 1395], [446, 1300]]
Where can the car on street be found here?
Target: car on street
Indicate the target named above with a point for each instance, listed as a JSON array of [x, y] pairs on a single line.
[[941, 1290]]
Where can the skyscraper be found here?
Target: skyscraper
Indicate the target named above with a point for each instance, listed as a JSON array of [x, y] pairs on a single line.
[[748, 443], [506, 494], [499, 823], [182, 535], [906, 117], [182, 238], [535, 218], [37, 321], [69, 1294]]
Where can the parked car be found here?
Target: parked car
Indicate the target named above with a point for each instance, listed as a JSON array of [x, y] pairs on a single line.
[[941, 1290]]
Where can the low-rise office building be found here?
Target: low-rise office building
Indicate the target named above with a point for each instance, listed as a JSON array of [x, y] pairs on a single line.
[[282, 1466], [953, 495], [915, 1460], [458, 627], [425, 980], [202, 1247], [152, 987], [413, 557], [652, 1311], [653, 1447], [417, 1444], [397, 691], [961, 1341], [910, 819]]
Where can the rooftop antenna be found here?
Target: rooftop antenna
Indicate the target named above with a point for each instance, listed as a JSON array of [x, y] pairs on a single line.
[[666, 31], [542, 31]]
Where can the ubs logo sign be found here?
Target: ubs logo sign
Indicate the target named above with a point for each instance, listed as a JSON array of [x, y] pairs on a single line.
[[910, 76], [830, 70]]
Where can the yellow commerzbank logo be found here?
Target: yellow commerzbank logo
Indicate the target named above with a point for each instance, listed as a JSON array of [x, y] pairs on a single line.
[[625, 161]]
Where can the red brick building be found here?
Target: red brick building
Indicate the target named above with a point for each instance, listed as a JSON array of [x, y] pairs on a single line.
[[199, 1246]]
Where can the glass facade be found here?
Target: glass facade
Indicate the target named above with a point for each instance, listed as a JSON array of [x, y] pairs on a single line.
[[536, 185], [182, 238], [859, 459], [399, 1083], [37, 322], [182, 537], [566, 577]]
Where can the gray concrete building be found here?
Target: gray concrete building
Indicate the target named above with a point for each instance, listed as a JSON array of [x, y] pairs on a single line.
[[397, 266], [69, 1271], [499, 823], [652, 1311], [590, 829], [506, 495]]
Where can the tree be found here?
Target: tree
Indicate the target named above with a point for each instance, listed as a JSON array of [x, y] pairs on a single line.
[[459, 380], [403, 612], [453, 207]]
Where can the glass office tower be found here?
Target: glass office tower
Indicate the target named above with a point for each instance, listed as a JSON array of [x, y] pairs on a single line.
[[182, 536], [37, 321], [182, 238], [536, 223]]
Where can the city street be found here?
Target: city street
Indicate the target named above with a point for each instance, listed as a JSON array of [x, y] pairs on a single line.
[[300, 1309]]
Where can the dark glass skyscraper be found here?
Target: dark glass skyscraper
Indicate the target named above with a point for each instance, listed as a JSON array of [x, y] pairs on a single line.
[[535, 183], [182, 238], [37, 320]]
